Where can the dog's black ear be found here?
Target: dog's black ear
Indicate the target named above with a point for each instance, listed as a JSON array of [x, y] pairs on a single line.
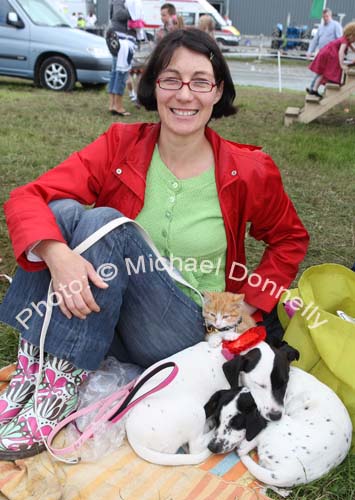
[[219, 398], [251, 359], [254, 423], [246, 402], [238, 422], [238, 364], [291, 352], [231, 370], [212, 404]]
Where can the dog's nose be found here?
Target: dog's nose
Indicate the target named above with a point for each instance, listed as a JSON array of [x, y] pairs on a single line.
[[214, 446], [274, 415]]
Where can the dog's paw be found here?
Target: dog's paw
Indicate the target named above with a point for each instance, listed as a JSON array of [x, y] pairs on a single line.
[[230, 336]]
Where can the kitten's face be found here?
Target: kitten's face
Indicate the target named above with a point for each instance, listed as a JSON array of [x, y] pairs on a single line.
[[222, 309]]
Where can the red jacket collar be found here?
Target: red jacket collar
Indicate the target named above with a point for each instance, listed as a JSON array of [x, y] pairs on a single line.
[[145, 135]]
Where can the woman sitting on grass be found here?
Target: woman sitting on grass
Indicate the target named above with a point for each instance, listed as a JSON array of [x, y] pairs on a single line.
[[329, 62], [192, 190]]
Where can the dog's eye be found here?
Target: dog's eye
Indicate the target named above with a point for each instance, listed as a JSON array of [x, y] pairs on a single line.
[[262, 386]]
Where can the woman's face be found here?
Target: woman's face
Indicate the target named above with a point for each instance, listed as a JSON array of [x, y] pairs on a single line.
[[184, 112]]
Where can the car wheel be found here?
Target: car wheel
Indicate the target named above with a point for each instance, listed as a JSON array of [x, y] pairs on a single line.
[[57, 73]]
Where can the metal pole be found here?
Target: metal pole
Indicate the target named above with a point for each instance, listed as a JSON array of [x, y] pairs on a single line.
[[279, 69]]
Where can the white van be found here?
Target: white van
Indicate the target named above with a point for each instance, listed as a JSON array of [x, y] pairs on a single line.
[[191, 10]]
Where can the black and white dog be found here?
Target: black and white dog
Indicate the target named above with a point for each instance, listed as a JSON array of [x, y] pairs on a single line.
[[313, 436], [264, 370], [175, 416]]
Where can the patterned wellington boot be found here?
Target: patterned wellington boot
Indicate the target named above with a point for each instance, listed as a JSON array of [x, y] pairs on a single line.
[[57, 398], [22, 384]]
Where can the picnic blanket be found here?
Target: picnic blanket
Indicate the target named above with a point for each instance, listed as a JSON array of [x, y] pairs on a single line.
[[122, 475]]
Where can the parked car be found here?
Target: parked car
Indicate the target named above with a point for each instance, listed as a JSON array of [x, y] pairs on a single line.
[[36, 42]]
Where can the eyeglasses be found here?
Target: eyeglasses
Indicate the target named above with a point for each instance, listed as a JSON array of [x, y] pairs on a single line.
[[194, 85]]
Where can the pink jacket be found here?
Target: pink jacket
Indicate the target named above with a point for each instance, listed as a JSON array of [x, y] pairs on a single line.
[[111, 172]]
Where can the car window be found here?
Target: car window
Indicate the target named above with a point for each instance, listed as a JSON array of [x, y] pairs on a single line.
[[5, 7], [42, 13], [189, 18]]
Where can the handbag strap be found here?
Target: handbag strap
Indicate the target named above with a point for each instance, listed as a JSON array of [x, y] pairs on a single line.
[[108, 413]]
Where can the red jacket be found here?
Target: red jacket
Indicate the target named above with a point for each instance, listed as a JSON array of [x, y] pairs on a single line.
[[111, 172]]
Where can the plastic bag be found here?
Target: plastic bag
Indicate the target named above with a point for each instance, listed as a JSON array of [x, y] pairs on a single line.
[[108, 436]]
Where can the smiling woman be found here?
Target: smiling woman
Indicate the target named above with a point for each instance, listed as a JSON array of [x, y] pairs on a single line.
[[193, 191]]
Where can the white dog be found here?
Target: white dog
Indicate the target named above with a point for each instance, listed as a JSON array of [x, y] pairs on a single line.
[[312, 437], [165, 421]]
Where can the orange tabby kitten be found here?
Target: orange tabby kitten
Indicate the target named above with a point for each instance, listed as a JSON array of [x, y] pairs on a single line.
[[225, 316]]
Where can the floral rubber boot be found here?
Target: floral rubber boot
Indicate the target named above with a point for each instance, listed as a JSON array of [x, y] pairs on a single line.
[[22, 383], [57, 398]]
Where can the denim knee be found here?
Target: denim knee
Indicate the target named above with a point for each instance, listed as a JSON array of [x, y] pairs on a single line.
[[100, 216], [70, 214], [66, 207], [67, 213]]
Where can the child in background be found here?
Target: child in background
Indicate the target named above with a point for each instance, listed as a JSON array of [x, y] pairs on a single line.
[[207, 24], [329, 63]]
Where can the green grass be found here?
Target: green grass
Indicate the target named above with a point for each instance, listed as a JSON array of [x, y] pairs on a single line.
[[38, 129]]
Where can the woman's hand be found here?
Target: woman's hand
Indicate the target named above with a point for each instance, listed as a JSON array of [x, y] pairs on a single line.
[[71, 274]]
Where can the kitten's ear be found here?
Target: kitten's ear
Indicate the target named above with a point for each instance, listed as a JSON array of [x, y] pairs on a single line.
[[206, 297], [239, 297]]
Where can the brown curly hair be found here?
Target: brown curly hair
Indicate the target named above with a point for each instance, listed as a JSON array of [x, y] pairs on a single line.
[[349, 30]]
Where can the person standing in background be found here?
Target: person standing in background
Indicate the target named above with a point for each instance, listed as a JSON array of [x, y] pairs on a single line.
[[207, 24], [227, 20], [81, 23], [329, 64], [121, 64], [328, 31], [91, 19], [169, 20], [73, 20]]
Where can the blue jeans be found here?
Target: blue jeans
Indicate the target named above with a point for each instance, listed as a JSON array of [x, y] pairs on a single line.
[[144, 316], [118, 79]]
